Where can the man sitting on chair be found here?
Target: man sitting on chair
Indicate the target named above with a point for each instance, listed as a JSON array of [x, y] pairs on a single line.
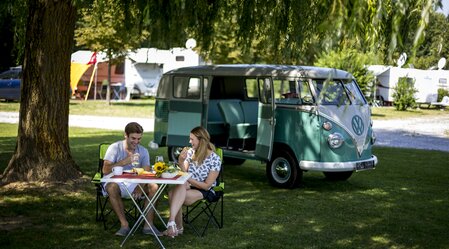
[[120, 154]]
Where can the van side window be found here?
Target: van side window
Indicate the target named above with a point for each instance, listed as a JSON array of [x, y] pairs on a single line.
[[285, 91], [305, 93], [186, 87], [251, 88], [162, 90]]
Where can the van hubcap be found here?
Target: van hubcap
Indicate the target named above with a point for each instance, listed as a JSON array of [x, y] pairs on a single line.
[[281, 170]]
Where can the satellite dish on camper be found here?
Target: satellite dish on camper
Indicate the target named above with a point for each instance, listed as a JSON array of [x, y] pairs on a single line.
[[190, 43], [402, 59], [441, 63]]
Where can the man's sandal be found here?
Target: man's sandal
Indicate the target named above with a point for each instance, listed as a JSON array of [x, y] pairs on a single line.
[[171, 231]]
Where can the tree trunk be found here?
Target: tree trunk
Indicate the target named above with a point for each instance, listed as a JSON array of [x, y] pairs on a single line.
[[42, 151]]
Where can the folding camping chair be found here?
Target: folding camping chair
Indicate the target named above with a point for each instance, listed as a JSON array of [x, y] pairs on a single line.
[[103, 209], [213, 210]]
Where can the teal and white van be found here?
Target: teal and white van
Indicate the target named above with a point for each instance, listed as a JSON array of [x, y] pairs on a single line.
[[294, 118]]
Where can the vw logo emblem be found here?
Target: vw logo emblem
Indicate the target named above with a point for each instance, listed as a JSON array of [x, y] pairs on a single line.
[[357, 125]]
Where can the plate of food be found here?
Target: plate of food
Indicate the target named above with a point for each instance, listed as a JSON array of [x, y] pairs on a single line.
[[138, 170]]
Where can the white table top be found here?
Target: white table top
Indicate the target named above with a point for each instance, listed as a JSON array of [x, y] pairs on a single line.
[[159, 180]]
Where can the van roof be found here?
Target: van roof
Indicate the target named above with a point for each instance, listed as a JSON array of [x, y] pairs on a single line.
[[263, 70]]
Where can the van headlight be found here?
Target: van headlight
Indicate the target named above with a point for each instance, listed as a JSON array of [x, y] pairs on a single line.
[[335, 140]]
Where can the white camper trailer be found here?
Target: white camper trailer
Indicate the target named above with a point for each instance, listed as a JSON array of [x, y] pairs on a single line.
[[144, 68], [427, 82], [139, 74]]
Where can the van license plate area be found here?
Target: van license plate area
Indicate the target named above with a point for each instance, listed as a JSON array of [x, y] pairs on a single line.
[[364, 165]]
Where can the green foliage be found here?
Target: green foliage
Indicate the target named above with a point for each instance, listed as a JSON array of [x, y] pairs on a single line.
[[441, 93], [13, 15], [434, 45], [111, 26], [403, 94], [252, 31], [354, 62]]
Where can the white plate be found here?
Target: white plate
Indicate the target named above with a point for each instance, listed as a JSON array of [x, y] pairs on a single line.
[[128, 171], [169, 175]]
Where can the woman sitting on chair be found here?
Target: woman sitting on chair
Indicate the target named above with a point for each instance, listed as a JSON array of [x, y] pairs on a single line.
[[204, 165]]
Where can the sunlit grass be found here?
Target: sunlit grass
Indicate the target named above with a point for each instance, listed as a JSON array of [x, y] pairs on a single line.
[[143, 108], [379, 113]]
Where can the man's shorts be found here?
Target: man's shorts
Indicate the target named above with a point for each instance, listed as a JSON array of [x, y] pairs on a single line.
[[122, 185]]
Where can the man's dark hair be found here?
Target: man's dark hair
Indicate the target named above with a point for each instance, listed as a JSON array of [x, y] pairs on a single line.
[[133, 127]]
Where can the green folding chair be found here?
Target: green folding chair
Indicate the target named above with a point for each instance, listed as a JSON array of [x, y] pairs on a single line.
[[103, 209], [211, 210]]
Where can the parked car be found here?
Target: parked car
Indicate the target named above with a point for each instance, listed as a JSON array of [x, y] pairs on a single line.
[[10, 81]]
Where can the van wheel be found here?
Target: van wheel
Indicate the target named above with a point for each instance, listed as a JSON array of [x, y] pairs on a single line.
[[283, 170], [135, 93], [338, 176], [233, 161], [173, 152]]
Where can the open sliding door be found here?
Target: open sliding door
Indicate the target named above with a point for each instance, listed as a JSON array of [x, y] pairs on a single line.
[[185, 109], [266, 119]]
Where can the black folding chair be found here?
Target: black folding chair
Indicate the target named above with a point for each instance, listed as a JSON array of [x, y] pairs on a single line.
[[212, 210], [103, 209]]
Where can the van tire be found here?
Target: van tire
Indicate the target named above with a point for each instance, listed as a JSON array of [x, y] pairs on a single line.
[[283, 170], [338, 176], [136, 93], [173, 152]]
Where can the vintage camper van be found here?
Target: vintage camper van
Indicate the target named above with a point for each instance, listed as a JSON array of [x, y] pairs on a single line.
[[294, 118]]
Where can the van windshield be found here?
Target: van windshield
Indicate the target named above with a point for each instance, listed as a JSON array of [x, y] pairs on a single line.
[[336, 92]]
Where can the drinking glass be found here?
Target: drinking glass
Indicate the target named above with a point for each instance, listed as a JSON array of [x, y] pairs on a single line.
[[159, 159], [135, 160]]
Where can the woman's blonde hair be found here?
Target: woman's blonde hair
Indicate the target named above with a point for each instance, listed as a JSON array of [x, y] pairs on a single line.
[[204, 144]]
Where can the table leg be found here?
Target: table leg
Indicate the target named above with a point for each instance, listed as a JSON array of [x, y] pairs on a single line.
[[144, 212]]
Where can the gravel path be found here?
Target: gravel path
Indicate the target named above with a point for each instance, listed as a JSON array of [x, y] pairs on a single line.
[[430, 133]]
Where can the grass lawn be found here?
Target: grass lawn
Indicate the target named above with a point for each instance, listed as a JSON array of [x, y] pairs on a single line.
[[391, 113], [144, 107], [401, 204]]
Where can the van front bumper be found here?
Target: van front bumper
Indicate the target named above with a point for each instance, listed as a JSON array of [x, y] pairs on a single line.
[[339, 166]]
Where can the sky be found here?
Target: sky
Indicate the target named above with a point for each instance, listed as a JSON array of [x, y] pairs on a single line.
[[445, 9]]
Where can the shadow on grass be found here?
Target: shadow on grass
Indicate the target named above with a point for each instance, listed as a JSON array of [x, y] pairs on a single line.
[[401, 204], [133, 104]]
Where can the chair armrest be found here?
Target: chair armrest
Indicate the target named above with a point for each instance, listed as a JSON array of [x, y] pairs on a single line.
[[96, 179]]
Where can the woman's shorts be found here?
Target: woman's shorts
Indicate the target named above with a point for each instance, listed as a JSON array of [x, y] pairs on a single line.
[[208, 195]]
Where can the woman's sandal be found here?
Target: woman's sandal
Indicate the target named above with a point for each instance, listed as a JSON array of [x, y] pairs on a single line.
[[171, 231]]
